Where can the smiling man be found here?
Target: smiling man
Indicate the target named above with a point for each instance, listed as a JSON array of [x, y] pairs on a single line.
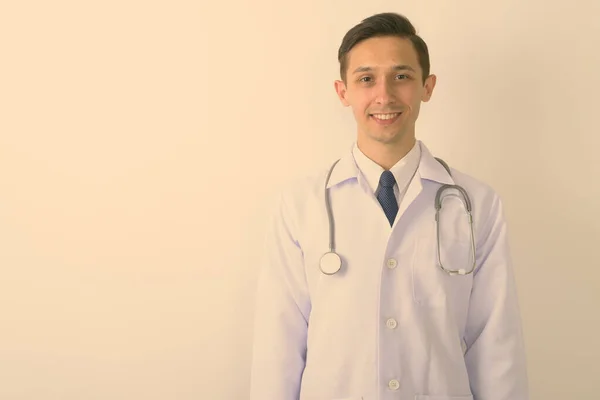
[[388, 274], [384, 80]]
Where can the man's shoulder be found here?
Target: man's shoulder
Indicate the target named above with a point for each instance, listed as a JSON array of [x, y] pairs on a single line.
[[469, 180], [484, 197]]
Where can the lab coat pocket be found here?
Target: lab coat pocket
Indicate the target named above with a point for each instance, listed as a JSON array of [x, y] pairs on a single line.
[[439, 397], [432, 285]]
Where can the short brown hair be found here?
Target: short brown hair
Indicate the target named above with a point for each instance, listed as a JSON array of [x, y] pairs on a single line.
[[383, 24]]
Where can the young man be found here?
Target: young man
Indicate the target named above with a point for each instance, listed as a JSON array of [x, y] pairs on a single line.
[[424, 305]]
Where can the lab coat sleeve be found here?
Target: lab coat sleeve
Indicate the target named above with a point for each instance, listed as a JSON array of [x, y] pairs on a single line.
[[495, 355], [281, 313]]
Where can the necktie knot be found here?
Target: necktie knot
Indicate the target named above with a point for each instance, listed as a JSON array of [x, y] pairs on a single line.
[[387, 179]]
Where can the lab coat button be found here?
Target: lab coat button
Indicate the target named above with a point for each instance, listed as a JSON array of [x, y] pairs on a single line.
[[391, 263], [394, 384], [391, 323]]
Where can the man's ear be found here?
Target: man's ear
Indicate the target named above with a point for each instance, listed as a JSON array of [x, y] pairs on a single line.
[[429, 86], [340, 89]]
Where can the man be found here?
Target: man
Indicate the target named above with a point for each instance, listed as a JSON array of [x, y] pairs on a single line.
[[392, 323]]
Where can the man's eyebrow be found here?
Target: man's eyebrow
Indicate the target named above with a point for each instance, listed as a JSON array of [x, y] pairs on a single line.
[[401, 67]]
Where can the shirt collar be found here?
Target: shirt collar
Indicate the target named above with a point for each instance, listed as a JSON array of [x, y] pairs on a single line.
[[428, 168], [403, 170]]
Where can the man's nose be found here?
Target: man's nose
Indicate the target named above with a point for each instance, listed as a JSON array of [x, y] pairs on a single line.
[[385, 93]]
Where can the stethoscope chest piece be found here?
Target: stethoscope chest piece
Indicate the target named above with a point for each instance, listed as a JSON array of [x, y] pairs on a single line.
[[330, 263]]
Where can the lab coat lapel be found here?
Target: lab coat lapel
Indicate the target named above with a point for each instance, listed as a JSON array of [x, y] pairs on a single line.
[[413, 190], [344, 169], [429, 169]]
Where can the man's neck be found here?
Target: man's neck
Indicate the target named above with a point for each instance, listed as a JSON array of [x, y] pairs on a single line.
[[386, 155]]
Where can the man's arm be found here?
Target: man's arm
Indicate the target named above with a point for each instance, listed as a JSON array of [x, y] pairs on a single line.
[[281, 314], [496, 356]]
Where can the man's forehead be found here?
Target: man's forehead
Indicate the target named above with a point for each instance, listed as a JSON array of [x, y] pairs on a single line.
[[383, 53]]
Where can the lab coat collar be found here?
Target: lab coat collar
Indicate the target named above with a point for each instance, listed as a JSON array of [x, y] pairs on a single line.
[[429, 168], [345, 169]]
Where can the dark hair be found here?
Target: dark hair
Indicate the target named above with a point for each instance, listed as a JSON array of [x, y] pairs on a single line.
[[383, 24]]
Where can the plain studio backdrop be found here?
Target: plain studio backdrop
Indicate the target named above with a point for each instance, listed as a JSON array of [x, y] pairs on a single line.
[[141, 145]]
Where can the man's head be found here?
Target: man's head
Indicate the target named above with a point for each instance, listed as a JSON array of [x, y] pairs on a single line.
[[384, 70]]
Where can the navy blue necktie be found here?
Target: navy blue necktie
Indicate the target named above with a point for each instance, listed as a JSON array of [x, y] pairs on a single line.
[[386, 196]]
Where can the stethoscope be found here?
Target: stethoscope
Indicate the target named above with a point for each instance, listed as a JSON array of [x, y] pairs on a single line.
[[331, 262]]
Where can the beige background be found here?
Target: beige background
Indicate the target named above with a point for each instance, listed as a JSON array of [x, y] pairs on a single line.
[[135, 176]]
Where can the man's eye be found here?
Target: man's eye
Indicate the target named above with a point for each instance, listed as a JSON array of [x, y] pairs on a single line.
[[404, 76], [364, 78]]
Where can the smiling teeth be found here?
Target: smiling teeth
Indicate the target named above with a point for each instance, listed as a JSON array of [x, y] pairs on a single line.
[[385, 116]]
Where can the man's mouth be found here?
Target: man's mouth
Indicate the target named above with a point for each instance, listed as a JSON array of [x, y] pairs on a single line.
[[386, 119]]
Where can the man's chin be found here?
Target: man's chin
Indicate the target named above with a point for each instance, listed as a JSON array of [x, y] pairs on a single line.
[[397, 138]]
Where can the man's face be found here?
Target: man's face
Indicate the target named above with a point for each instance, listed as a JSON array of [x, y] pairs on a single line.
[[384, 86]]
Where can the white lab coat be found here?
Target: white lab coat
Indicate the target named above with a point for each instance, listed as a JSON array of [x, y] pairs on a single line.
[[391, 324]]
